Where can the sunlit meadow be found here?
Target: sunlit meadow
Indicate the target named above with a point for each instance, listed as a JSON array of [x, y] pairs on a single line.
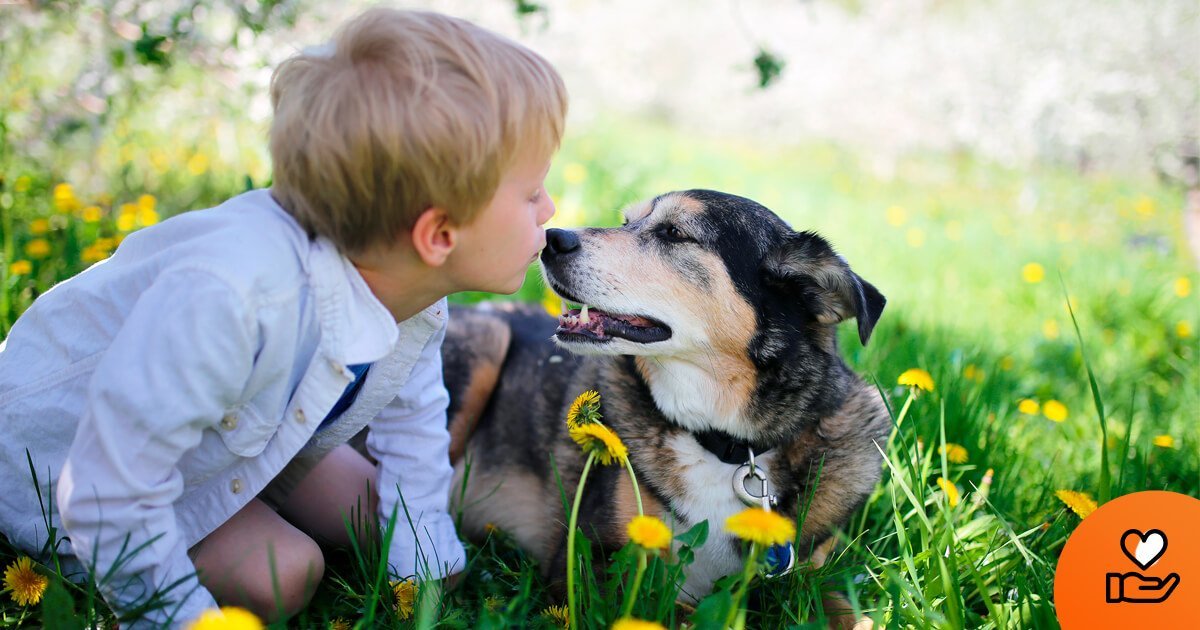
[[1005, 286], [989, 470]]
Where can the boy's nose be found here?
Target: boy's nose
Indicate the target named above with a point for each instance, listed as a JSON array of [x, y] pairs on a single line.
[[560, 241]]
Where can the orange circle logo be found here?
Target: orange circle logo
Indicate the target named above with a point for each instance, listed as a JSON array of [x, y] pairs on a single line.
[[1134, 562]]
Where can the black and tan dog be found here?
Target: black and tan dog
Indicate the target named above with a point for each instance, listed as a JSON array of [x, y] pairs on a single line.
[[709, 331]]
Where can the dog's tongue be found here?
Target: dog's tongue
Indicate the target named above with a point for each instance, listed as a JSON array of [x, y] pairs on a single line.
[[595, 321], [600, 326]]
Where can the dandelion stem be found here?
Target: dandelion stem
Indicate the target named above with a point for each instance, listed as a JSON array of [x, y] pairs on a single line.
[[900, 418], [572, 604], [747, 575], [637, 492], [631, 598], [641, 566]]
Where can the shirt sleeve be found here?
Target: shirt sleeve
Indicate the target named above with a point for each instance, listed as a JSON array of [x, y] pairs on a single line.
[[181, 358], [411, 442]]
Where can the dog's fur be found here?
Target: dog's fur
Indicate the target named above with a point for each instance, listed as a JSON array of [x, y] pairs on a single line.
[[751, 307]]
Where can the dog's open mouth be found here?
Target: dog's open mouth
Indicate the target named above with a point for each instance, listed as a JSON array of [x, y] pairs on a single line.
[[593, 325]]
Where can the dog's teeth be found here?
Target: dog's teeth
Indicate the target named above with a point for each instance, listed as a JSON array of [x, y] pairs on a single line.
[[583, 316]]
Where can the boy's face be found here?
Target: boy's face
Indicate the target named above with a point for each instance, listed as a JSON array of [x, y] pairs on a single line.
[[496, 249]]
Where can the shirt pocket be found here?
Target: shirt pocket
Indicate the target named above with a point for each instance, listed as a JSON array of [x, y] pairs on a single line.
[[244, 432]]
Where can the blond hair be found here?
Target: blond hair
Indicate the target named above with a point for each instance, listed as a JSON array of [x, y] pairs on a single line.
[[404, 111]]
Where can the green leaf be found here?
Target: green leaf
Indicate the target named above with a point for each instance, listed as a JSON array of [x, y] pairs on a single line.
[[696, 536], [58, 609], [769, 67]]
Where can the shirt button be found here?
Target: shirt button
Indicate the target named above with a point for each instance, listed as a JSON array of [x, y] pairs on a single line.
[[229, 421], [300, 416], [235, 486]]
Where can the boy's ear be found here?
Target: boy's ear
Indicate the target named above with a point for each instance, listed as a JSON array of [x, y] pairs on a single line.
[[806, 267], [434, 236]]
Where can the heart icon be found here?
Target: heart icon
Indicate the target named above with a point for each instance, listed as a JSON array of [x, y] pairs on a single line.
[[1144, 549]]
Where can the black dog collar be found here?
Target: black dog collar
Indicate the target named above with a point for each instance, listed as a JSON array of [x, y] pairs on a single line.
[[727, 448]]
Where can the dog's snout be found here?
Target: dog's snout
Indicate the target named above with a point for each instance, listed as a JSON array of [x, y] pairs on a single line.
[[561, 241]]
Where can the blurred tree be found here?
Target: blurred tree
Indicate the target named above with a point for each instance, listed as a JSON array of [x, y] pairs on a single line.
[[75, 68]]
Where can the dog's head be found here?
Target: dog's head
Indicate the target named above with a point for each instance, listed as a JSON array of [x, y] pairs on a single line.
[[698, 271], [709, 279]]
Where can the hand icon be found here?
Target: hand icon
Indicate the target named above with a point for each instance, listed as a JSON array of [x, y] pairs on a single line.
[[1136, 588]]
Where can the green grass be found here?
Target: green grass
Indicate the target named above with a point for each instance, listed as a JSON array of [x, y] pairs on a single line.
[[946, 239]]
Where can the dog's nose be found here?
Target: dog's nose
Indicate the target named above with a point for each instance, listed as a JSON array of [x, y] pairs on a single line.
[[561, 241]]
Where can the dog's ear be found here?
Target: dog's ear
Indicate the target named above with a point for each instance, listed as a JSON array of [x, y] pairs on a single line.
[[807, 266]]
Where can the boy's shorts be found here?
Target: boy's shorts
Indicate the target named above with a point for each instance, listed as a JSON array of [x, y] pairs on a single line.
[[281, 487]]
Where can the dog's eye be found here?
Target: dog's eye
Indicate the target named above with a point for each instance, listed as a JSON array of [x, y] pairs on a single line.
[[674, 234]]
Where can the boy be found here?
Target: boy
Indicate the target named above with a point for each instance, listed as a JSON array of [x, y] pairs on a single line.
[[160, 394]]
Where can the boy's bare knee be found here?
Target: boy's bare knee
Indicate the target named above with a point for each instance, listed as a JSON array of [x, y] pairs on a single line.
[[296, 571]]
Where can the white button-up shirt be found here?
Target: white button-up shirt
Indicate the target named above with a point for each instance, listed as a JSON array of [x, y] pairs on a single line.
[[158, 392]]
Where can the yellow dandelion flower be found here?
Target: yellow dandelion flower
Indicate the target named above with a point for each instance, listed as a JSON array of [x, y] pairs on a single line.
[[954, 230], [558, 615], [1063, 232], [1144, 206], [950, 489], [973, 373], [1183, 329], [1054, 410], [146, 202], [1183, 286], [340, 624], [584, 404], [916, 378], [629, 623], [552, 303], [93, 253], [22, 184], [91, 214], [915, 237], [1165, 441], [574, 173], [896, 216], [1007, 363], [492, 603], [24, 583], [406, 595], [1050, 329], [198, 164], [1080, 502], [38, 227], [227, 618], [761, 527], [1029, 407], [955, 453], [64, 198], [37, 248], [1033, 273], [649, 532], [599, 439], [20, 268]]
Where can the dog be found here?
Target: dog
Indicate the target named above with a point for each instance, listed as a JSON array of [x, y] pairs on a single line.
[[710, 332]]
